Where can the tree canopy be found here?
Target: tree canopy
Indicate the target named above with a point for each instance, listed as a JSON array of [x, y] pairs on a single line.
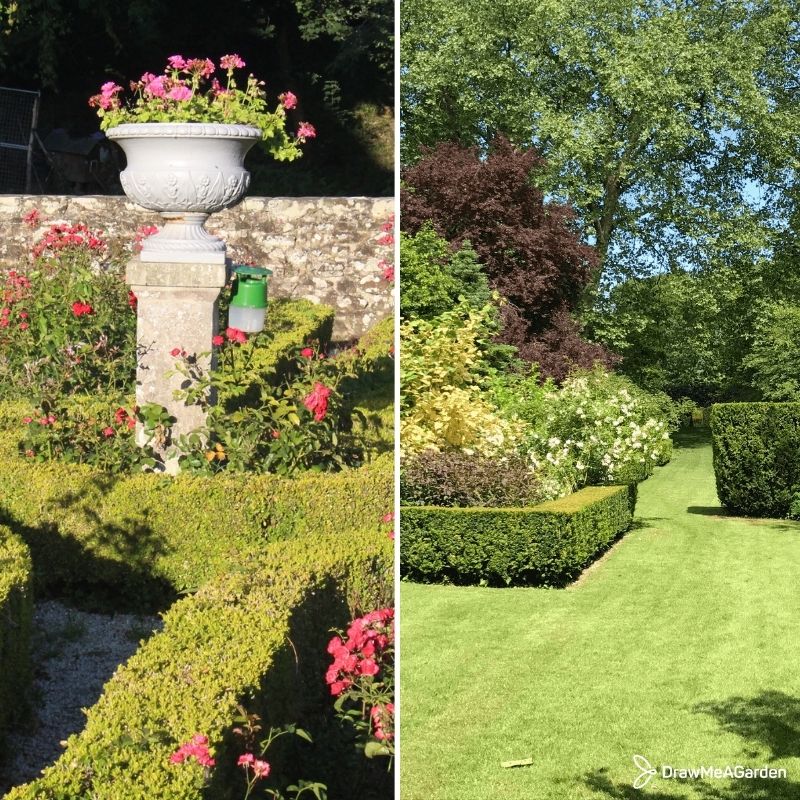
[[670, 125]]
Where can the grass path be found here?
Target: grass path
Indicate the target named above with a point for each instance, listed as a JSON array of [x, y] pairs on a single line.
[[682, 645]]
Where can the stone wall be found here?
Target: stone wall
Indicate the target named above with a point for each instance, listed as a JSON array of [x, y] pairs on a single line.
[[325, 249]]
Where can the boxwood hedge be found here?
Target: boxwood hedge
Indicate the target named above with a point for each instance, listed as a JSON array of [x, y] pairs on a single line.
[[545, 544], [756, 456], [255, 636], [16, 606], [149, 536]]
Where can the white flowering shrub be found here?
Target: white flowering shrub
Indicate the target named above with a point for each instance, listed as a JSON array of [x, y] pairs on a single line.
[[606, 428]]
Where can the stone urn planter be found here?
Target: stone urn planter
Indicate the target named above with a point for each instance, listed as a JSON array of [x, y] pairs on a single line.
[[185, 171]]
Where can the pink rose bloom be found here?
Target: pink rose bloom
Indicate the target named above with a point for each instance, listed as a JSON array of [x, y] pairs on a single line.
[[217, 340], [180, 92], [288, 100], [235, 335], [32, 217], [368, 667], [176, 62], [232, 61], [307, 352], [306, 131], [108, 432]]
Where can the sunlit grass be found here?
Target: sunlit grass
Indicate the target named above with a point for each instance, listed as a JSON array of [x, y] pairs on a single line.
[[681, 645]]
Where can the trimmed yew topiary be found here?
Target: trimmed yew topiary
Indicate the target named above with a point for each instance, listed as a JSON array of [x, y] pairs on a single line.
[[756, 456], [255, 636]]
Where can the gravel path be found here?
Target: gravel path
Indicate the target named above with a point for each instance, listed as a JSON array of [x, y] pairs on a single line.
[[74, 654]]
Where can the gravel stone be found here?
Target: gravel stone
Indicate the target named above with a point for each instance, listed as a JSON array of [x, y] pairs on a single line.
[[74, 654]]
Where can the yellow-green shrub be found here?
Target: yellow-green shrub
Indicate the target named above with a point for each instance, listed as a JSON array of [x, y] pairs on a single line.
[[16, 606], [549, 543], [255, 636], [441, 402], [148, 535]]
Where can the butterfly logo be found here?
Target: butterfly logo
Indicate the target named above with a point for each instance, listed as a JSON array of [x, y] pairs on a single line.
[[647, 771]]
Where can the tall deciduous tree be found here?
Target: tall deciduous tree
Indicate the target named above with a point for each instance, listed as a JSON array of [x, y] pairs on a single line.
[[672, 125], [531, 250]]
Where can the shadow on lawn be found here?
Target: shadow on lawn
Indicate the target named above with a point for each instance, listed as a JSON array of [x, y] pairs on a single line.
[[599, 782], [691, 437], [769, 721], [709, 511]]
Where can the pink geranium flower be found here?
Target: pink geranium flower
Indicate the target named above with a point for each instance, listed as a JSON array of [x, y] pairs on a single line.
[[288, 100], [155, 87], [177, 62], [306, 131], [179, 92], [232, 61]]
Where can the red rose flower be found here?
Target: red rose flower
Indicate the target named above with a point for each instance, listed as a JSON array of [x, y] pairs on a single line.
[[317, 401], [235, 335], [80, 309]]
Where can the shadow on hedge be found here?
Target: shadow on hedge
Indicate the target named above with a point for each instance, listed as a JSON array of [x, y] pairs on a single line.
[[293, 691], [101, 584]]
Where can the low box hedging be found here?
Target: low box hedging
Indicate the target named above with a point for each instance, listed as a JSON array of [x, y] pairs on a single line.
[[16, 608], [255, 636], [756, 456], [149, 535], [545, 544]]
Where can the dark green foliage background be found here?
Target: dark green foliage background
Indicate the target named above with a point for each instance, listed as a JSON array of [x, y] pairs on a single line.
[[337, 57]]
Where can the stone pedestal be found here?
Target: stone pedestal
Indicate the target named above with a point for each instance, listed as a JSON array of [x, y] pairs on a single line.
[[177, 308]]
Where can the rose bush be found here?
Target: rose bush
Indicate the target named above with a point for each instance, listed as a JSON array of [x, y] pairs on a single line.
[[361, 678], [67, 320], [600, 428]]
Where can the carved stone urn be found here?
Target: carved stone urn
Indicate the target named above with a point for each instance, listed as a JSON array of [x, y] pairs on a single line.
[[185, 171]]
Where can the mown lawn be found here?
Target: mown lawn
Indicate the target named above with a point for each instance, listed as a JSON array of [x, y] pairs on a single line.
[[682, 645]]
